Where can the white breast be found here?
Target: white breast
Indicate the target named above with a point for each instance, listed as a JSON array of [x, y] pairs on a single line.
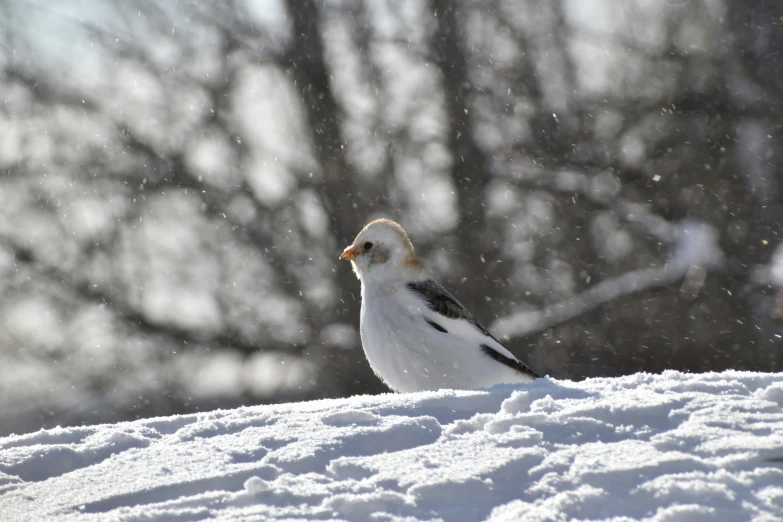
[[410, 355]]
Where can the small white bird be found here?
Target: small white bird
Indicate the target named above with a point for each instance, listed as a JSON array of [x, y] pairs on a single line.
[[415, 334]]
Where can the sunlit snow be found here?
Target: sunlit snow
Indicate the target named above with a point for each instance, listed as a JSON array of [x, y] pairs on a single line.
[[641, 447]]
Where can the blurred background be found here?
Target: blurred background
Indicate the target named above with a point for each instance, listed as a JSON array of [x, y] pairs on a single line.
[[598, 181]]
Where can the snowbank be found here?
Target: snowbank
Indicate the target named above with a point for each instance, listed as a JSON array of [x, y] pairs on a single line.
[[672, 447]]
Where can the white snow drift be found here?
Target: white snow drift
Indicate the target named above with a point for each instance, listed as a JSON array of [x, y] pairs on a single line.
[[672, 447]]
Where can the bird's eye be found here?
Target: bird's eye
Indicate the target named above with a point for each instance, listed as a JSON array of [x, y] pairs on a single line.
[[367, 245]]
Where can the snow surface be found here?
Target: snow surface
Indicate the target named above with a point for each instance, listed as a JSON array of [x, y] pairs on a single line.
[[671, 447]]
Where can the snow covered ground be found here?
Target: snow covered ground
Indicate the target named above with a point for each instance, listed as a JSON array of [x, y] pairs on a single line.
[[671, 447]]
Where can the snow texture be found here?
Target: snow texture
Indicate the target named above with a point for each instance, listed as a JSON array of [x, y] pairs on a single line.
[[671, 447]]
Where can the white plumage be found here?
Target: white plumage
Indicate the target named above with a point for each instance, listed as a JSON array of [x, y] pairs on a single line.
[[415, 334]]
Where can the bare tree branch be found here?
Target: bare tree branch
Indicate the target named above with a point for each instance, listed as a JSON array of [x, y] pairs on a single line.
[[696, 253]]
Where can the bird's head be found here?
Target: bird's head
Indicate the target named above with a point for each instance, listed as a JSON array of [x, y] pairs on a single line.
[[382, 251]]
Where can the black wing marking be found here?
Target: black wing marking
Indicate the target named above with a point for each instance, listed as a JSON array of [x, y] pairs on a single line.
[[440, 301], [436, 326], [511, 363]]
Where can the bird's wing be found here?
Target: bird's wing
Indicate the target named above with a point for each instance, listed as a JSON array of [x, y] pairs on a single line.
[[462, 323]]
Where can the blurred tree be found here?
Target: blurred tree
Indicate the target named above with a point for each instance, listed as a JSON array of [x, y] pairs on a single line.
[[177, 180]]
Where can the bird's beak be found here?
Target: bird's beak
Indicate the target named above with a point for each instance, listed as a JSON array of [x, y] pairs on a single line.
[[349, 254]]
